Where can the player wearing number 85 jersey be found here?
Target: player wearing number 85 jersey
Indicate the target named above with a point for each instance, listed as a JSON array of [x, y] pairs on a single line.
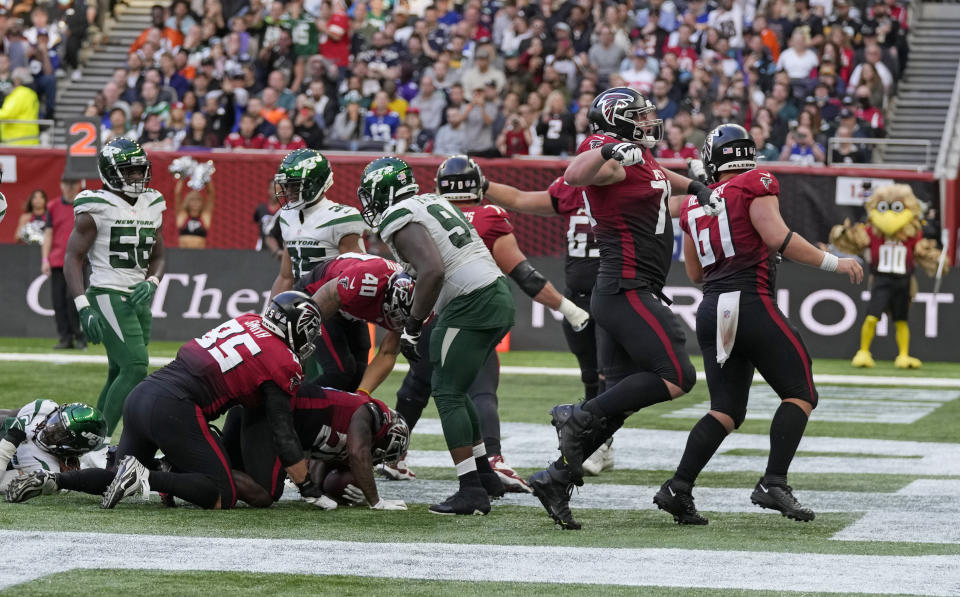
[[252, 361], [118, 229], [739, 326]]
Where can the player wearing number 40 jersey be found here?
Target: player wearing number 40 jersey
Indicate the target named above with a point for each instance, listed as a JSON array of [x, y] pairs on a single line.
[[118, 229], [739, 326], [252, 361], [315, 229], [459, 280]]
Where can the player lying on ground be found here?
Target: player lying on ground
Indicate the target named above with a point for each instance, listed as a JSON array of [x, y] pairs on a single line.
[[457, 278], [460, 181], [358, 287], [342, 432], [251, 360], [117, 229], [315, 229], [44, 436], [734, 254]]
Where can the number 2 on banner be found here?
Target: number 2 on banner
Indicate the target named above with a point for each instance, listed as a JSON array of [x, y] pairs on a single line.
[[86, 145]]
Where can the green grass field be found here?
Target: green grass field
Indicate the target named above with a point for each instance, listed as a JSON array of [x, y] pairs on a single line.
[[897, 471]]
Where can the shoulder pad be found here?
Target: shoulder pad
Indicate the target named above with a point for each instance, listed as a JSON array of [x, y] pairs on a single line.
[[92, 202]]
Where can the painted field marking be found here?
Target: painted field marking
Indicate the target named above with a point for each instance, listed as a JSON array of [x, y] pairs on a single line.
[[925, 523], [50, 552], [864, 380], [844, 404]]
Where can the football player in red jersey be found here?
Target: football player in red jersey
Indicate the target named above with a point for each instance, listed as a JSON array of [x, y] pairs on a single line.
[[252, 361], [642, 346], [363, 287], [460, 181], [339, 430], [739, 326]]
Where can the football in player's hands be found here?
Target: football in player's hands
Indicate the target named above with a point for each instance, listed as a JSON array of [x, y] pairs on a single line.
[[626, 154], [335, 485]]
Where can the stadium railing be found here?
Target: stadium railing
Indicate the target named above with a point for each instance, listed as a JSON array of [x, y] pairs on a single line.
[[925, 165], [43, 139]]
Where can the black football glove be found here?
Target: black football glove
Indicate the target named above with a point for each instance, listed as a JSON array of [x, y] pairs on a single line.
[[410, 338], [309, 489], [626, 154]]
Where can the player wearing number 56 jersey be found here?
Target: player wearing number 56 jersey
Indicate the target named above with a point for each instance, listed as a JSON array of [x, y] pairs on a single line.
[[739, 326], [252, 361], [118, 229], [457, 278]]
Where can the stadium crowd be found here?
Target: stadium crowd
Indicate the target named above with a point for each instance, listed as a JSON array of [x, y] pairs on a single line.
[[488, 78]]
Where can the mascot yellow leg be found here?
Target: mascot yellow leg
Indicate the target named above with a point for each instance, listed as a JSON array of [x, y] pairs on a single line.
[[863, 358], [904, 360]]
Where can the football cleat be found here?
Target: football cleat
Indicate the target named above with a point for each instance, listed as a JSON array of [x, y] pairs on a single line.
[[555, 497], [467, 501], [397, 471], [132, 478], [30, 486], [573, 424], [905, 361], [780, 498], [513, 482], [493, 485], [863, 358], [677, 500]]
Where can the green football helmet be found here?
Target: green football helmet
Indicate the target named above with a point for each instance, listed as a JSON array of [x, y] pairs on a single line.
[[384, 182], [72, 430], [303, 177], [124, 167]]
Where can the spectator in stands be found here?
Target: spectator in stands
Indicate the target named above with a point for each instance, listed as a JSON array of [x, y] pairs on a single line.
[[168, 37], [335, 37], [867, 113], [152, 103], [481, 72], [808, 22], [873, 55], [348, 125], [32, 221], [691, 134], [285, 139], [675, 146], [305, 125], [169, 77], [42, 67], [180, 18], [247, 137], [430, 102], [286, 99], [728, 19], [451, 138], [480, 114], [380, 122], [515, 138], [21, 103], [155, 135], [638, 76], [219, 109], [870, 79], [846, 152], [178, 125], [6, 81], [766, 151], [843, 20], [16, 46], [799, 60], [802, 148], [382, 61], [666, 107], [198, 135], [194, 214], [605, 57], [59, 225], [116, 125], [556, 127]]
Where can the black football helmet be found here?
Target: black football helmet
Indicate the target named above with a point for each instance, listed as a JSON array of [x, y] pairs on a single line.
[[459, 179], [397, 301], [295, 318], [627, 115], [728, 147], [394, 438]]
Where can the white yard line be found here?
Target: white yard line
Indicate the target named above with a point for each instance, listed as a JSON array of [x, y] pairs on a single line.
[[42, 553], [863, 380]]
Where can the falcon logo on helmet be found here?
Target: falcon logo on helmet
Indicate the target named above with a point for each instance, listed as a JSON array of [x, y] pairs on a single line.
[[295, 318], [397, 301], [610, 103]]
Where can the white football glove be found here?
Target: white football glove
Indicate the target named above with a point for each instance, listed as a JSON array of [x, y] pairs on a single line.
[[575, 316], [696, 170], [712, 206], [389, 505], [322, 502], [627, 154], [354, 495]]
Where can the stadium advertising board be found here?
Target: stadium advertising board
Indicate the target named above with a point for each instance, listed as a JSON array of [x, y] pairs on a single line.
[[203, 287]]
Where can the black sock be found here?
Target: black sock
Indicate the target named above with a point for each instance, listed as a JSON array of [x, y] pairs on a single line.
[[471, 479], [633, 393], [483, 465], [88, 480], [590, 390], [786, 431], [703, 441], [411, 412], [493, 446], [195, 488]]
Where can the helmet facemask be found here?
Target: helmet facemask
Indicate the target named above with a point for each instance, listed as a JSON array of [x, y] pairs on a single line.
[[133, 177], [397, 303], [646, 132], [55, 436]]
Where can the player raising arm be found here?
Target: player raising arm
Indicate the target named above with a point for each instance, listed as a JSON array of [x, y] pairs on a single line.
[[734, 254], [118, 229]]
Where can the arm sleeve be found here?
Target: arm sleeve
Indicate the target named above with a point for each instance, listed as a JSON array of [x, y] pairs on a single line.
[[277, 405]]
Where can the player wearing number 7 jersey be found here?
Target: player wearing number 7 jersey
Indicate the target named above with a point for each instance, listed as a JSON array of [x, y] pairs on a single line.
[[739, 326], [458, 279], [118, 229]]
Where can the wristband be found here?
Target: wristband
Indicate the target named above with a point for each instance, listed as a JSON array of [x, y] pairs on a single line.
[[155, 280], [830, 262], [81, 302], [413, 325], [363, 391], [567, 307]]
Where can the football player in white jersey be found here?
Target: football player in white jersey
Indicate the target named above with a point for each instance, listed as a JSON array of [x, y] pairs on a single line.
[[46, 436], [459, 280], [315, 229], [118, 229]]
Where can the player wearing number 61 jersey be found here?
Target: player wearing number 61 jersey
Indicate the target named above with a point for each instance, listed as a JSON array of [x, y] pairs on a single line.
[[739, 326], [118, 229]]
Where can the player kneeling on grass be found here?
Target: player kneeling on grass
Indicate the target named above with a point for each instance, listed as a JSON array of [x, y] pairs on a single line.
[[733, 250], [345, 435], [251, 360], [44, 436]]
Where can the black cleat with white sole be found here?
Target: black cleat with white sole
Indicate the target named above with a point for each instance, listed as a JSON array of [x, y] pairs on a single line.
[[555, 497], [466, 501], [493, 485], [676, 499], [780, 498]]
